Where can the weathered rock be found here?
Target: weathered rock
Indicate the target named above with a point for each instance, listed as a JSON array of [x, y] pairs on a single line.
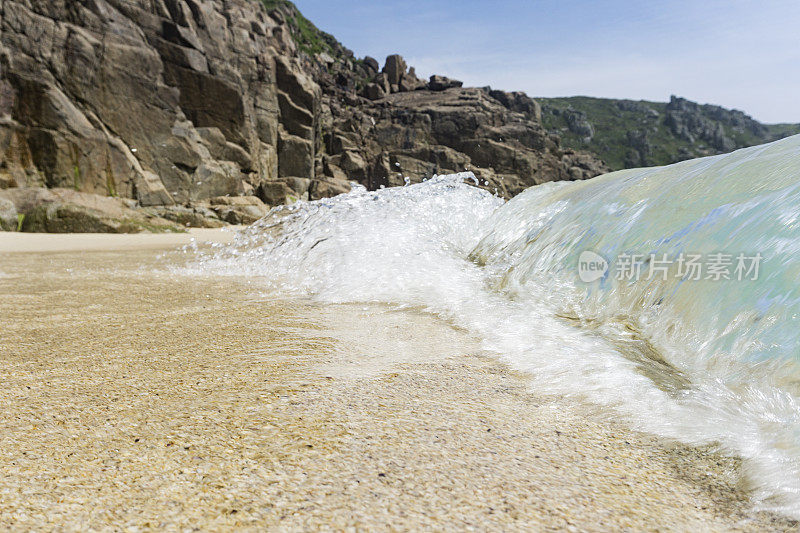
[[691, 121], [150, 190], [92, 95], [298, 99], [373, 91], [395, 68], [425, 162], [328, 188], [354, 165], [331, 170], [578, 124], [299, 185], [372, 64], [236, 200], [190, 217], [410, 82], [239, 209], [215, 178], [342, 141], [8, 215], [221, 149], [429, 132], [441, 83], [70, 211], [276, 193], [295, 155], [519, 102]]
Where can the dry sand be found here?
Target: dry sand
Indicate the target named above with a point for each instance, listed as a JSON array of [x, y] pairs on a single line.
[[11, 242], [133, 399]]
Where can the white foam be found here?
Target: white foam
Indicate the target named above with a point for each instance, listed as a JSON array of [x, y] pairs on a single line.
[[412, 246]]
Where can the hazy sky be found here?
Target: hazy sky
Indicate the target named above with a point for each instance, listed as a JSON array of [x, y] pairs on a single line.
[[736, 53]]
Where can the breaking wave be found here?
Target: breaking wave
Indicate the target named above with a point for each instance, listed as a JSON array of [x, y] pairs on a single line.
[[705, 355]]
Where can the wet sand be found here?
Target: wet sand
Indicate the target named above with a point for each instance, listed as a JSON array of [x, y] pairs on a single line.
[[135, 399]]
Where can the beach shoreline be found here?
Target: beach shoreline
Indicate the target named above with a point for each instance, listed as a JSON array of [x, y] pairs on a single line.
[[17, 242], [137, 398]]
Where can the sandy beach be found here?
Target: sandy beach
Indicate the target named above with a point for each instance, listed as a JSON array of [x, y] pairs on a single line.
[[136, 399], [12, 242]]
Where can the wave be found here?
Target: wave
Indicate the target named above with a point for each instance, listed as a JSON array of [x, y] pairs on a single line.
[[668, 295]]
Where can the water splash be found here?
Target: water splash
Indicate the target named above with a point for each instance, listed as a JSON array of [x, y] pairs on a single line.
[[707, 361]]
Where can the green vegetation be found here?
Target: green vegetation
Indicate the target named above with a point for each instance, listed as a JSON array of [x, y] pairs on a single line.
[[111, 187], [76, 169], [628, 133], [20, 221], [308, 37]]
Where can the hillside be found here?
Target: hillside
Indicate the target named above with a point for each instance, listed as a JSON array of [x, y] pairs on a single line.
[[628, 133]]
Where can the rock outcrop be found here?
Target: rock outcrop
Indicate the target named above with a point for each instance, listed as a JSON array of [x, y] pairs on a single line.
[[174, 104], [60, 210], [420, 133], [163, 102]]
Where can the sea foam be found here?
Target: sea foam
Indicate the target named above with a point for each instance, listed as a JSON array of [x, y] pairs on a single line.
[[706, 361]]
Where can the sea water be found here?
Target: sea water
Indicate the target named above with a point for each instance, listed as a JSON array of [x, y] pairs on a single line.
[[669, 296]]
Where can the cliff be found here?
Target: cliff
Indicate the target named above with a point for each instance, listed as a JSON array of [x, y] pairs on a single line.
[[173, 107]]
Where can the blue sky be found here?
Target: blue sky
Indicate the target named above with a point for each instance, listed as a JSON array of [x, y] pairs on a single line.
[[735, 53]]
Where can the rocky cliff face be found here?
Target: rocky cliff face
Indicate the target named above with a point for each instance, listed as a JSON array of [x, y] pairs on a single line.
[[175, 104], [627, 133]]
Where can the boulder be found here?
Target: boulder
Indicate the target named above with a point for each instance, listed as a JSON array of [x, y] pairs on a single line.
[[410, 82], [373, 91], [242, 214], [441, 83], [332, 170], [519, 102], [237, 154], [189, 216], [215, 178], [150, 190], [382, 80], [299, 185], [8, 215], [372, 64], [354, 165], [70, 211], [395, 68], [276, 193], [342, 141], [328, 188], [236, 201]]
